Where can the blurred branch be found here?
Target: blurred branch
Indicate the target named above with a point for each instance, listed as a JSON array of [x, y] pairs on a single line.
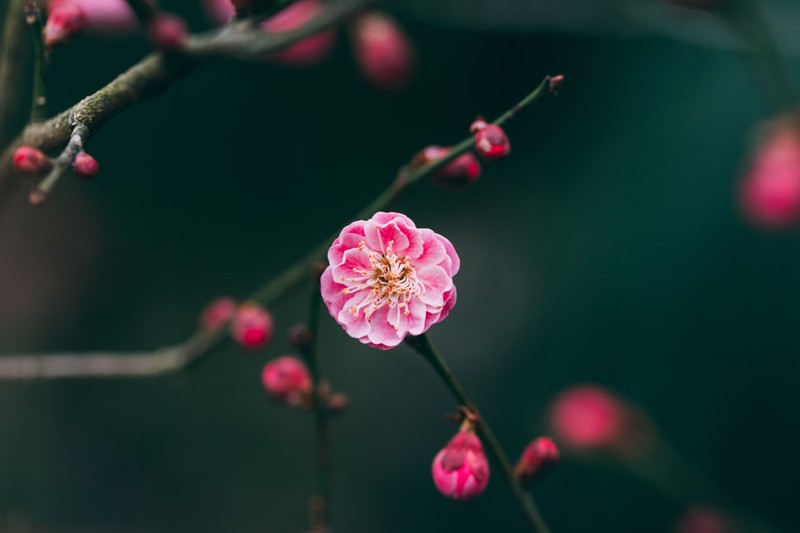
[[422, 345], [12, 68], [33, 18], [154, 75], [121, 364]]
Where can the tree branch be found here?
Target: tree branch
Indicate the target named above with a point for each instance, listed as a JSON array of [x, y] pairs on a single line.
[[12, 68]]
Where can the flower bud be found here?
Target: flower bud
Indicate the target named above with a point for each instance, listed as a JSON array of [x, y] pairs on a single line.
[[338, 403], [491, 141], [537, 458], [30, 160], [64, 20], [382, 51], [167, 31], [588, 417], [703, 520], [251, 326], [288, 381], [458, 173], [300, 336], [460, 470], [555, 83], [308, 51], [770, 193], [218, 313], [85, 166]]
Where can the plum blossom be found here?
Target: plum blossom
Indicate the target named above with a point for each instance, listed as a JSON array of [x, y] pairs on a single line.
[[387, 279]]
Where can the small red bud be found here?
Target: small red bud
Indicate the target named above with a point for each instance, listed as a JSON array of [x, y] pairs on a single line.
[[537, 458], [288, 381], [30, 160], [382, 50], [64, 20], [460, 470], [556, 82], [85, 166], [491, 142], [167, 31], [588, 417], [338, 403], [217, 313], [251, 326], [300, 336], [37, 198], [460, 172], [308, 51]]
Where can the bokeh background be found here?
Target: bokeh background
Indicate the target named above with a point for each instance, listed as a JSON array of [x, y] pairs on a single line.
[[608, 248]]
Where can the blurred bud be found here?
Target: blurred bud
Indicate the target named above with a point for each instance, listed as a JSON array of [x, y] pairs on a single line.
[[537, 458], [167, 31], [220, 11], [30, 160], [300, 336], [251, 326], [382, 51], [460, 470], [462, 171], [64, 20], [85, 166], [770, 192], [590, 418], [37, 198], [218, 313], [308, 51], [703, 520], [338, 403], [491, 141], [556, 82], [288, 381]]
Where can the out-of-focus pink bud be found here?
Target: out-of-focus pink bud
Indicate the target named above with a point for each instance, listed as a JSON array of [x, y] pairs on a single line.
[[167, 31], [458, 173], [770, 193], [85, 166], [64, 20], [537, 458], [30, 160], [308, 51], [460, 470], [491, 141], [288, 381], [555, 83], [382, 51], [218, 313], [220, 11], [587, 417], [252, 326], [703, 520]]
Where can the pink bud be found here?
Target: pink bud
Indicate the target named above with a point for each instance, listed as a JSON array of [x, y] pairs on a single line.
[[64, 20], [308, 51], [251, 326], [703, 520], [588, 417], [288, 381], [491, 141], [217, 313], [167, 31], [382, 50], [220, 11], [537, 458], [556, 82], [770, 193], [460, 470], [30, 160], [85, 166], [458, 173]]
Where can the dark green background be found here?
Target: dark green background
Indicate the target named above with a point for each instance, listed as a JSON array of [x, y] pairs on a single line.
[[608, 248]]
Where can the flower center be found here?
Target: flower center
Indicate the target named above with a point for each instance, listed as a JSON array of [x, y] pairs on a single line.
[[391, 281]]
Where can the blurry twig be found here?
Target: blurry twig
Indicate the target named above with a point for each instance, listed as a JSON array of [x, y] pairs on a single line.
[[12, 67]]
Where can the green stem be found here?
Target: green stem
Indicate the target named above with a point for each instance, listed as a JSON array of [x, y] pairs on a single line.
[[422, 345], [320, 502]]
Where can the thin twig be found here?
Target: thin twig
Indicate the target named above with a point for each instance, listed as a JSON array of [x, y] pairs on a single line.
[[33, 17], [422, 345], [12, 67]]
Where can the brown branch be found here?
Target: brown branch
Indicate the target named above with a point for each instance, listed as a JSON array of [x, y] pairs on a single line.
[[12, 66]]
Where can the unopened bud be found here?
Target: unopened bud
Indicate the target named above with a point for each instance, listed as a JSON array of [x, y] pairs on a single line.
[[217, 313], [338, 403], [30, 160], [65, 19], [251, 326], [167, 31], [491, 141], [460, 470], [308, 51], [458, 173], [85, 166], [300, 336], [556, 82], [383, 52], [288, 381], [537, 458], [37, 198]]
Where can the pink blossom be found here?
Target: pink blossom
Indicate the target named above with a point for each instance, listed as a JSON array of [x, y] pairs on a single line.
[[306, 52], [770, 193], [382, 51], [107, 17], [587, 416], [387, 279], [460, 470], [288, 381], [252, 326]]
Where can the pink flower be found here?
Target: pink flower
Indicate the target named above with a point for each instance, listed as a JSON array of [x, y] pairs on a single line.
[[107, 17], [382, 51], [288, 381], [587, 416], [460, 470], [770, 193], [251, 326], [387, 279]]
